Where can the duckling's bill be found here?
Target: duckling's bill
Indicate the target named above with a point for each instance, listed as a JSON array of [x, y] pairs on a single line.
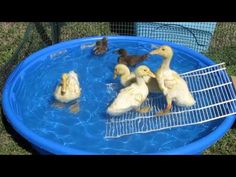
[[115, 74], [155, 51], [75, 108], [151, 74]]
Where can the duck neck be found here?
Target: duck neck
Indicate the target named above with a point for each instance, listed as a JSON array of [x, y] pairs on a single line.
[[126, 74], [140, 80], [166, 62]]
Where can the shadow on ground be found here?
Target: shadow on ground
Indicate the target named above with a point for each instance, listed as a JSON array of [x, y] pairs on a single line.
[[16, 137]]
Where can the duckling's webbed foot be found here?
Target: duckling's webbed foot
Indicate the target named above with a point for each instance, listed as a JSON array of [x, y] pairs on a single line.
[[97, 51], [144, 109], [74, 108], [167, 109], [100, 47]]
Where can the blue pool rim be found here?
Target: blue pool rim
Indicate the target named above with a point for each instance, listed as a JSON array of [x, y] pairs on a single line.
[[44, 144]]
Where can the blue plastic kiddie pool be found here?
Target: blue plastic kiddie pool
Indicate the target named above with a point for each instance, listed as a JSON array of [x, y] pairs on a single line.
[[28, 101]]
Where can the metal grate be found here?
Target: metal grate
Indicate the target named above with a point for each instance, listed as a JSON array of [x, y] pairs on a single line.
[[215, 98]]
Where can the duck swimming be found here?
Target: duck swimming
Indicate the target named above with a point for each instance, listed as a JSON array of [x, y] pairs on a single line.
[[100, 46], [129, 60], [126, 77], [171, 84], [68, 90], [132, 96]]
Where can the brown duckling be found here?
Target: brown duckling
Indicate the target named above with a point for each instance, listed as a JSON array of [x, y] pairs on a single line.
[[100, 46], [129, 60]]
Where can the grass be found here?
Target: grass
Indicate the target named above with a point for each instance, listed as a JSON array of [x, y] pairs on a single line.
[[12, 33], [11, 143], [223, 46], [225, 146], [74, 30], [10, 36]]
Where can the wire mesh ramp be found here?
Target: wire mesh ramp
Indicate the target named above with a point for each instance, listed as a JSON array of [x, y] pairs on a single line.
[[215, 98]]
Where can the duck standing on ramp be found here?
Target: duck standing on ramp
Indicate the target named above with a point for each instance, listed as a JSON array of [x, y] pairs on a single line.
[[172, 85]]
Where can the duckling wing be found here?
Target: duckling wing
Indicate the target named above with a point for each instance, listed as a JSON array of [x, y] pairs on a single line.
[[99, 49], [178, 90], [73, 86], [129, 98], [169, 83], [128, 90], [138, 99], [184, 98], [121, 104], [121, 60], [170, 79], [134, 59]]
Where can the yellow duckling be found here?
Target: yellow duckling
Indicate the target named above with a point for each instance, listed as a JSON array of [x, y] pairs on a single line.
[[132, 96], [172, 85], [127, 78], [68, 89]]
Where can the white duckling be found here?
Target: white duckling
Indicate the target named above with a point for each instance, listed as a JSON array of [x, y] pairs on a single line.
[[132, 96], [172, 85], [127, 78], [68, 89]]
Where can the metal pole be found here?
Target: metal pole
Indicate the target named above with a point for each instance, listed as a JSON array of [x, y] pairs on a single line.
[[43, 34], [55, 32]]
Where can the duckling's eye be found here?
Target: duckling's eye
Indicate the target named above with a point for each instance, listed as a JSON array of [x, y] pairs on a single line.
[[163, 49]]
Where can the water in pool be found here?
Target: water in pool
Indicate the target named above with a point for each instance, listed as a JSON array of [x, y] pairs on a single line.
[[85, 130]]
